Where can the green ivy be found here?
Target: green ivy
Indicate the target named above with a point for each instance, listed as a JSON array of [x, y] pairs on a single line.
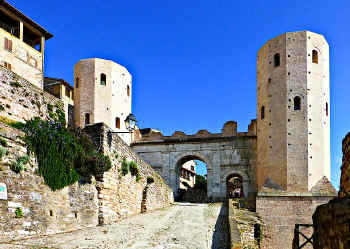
[[3, 152], [63, 155], [19, 212]]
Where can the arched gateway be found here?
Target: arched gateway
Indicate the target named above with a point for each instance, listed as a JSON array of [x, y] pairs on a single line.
[[225, 154]]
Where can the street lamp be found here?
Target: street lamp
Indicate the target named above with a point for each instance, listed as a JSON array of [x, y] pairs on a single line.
[[130, 122]]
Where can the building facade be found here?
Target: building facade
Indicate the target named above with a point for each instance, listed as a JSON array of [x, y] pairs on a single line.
[[63, 90], [188, 175], [102, 93], [22, 44]]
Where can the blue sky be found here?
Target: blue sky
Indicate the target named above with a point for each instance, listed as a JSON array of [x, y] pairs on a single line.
[[194, 62]]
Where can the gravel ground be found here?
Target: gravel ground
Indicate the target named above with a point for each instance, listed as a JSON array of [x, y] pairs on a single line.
[[182, 226]]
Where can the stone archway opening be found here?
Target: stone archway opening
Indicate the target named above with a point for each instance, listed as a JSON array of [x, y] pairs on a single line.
[[191, 178], [234, 186]]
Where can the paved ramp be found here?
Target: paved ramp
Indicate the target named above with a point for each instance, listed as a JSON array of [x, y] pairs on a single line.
[[182, 226]]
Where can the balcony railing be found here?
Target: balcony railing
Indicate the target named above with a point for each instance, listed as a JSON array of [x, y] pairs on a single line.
[[10, 29]]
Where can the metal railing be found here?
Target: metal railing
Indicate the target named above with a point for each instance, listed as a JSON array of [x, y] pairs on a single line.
[[297, 233]]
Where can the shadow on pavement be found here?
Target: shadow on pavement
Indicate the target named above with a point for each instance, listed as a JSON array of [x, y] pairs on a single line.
[[221, 237]]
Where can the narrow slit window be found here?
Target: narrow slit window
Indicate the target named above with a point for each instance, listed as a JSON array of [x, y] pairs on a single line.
[[327, 109], [77, 82], [262, 112], [297, 103], [314, 56], [87, 118], [128, 90], [277, 60], [103, 79], [117, 123]]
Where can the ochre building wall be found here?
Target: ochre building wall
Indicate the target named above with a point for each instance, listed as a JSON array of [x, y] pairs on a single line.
[[25, 60]]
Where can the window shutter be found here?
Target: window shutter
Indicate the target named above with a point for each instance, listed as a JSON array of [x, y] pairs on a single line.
[[9, 66], [10, 45], [6, 43]]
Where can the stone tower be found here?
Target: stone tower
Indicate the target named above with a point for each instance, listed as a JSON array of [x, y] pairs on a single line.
[[293, 123], [102, 94]]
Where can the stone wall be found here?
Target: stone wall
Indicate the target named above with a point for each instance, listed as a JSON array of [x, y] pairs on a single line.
[[109, 199], [332, 221], [20, 100], [345, 174], [44, 211], [122, 196], [281, 212]]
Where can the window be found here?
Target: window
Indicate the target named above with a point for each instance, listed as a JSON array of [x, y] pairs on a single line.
[[103, 79], [67, 92], [192, 168], [297, 103], [314, 56], [87, 118], [128, 90], [277, 60], [327, 109], [7, 65], [262, 112], [117, 122], [8, 45], [77, 82]]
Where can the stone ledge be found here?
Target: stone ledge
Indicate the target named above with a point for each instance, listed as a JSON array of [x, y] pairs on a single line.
[[295, 194]]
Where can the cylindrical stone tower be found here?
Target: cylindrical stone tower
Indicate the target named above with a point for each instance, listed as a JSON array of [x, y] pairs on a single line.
[[293, 123], [102, 94]]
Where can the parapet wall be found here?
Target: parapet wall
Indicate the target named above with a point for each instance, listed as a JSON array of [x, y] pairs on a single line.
[[229, 130]]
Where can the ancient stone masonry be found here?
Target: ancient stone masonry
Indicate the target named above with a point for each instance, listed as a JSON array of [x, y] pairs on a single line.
[[226, 153], [121, 196], [20, 100], [332, 221], [30, 208], [345, 173]]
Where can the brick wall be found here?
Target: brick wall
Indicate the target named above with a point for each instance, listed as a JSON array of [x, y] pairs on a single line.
[[281, 213]]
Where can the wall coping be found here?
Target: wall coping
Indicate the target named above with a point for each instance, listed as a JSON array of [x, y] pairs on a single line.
[[296, 194]]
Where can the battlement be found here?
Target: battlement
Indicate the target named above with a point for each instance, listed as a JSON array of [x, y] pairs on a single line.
[[228, 130]]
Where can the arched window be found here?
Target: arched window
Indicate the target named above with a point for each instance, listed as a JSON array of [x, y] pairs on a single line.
[[314, 56], [128, 90], [327, 109], [297, 103], [117, 123], [87, 118], [103, 79], [77, 82], [277, 60], [262, 112]]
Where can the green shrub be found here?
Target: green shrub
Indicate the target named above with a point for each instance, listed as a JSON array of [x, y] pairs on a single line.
[[15, 84], [150, 179], [2, 108], [3, 142], [138, 178], [49, 107], [19, 212], [24, 159], [3, 152], [134, 170], [16, 166], [63, 154], [125, 167]]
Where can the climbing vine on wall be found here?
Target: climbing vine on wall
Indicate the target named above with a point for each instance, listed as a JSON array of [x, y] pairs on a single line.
[[63, 154]]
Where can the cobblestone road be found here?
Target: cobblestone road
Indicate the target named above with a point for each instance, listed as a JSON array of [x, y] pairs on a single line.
[[182, 226]]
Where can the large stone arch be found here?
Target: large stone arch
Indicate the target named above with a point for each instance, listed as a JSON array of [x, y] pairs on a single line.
[[183, 157], [245, 178]]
